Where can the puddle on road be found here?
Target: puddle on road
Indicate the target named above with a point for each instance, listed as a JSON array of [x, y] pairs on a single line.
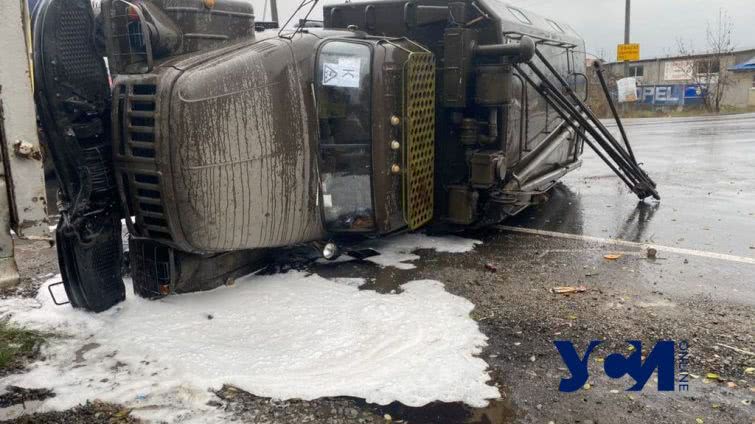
[[384, 280], [379, 279], [498, 412]]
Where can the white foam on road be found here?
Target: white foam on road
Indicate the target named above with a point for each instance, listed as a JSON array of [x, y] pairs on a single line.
[[283, 336], [397, 251]]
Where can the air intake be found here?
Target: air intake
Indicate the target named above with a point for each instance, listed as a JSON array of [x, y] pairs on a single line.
[[419, 139]]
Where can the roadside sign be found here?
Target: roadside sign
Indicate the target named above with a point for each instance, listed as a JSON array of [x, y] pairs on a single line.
[[627, 90], [628, 52], [679, 70]]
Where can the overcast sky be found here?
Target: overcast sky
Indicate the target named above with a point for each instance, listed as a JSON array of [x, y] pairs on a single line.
[[656, 24]]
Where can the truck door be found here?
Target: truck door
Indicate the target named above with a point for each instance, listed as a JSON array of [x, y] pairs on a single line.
[[376, 107]]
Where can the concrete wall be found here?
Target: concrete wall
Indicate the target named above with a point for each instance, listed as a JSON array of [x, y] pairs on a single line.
[[738, 94], [26, 185]]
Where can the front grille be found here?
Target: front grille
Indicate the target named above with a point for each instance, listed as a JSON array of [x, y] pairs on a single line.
[[140, 130], [147, 205], [419, 139], [137, 148], [151, 265]]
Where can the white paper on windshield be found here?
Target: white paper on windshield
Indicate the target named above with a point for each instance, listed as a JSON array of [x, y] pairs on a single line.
[[344, 73]]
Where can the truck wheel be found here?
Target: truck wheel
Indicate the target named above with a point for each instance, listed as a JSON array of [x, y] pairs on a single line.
[[92, 271], [73, 101]]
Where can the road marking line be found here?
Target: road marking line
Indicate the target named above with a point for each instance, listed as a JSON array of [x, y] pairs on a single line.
[[661, 248]]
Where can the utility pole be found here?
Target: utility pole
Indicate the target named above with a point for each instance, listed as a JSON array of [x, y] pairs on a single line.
[[274, 10], [627, 22]]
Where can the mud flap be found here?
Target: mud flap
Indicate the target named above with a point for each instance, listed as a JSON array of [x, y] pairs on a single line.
[[73, 99]]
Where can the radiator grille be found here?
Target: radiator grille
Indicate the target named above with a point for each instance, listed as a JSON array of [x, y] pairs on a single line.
[[140, 129], [419, 139], [137, 148], [150, 268]]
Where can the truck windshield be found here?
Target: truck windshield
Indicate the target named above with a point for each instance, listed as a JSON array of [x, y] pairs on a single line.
[[343, 93]]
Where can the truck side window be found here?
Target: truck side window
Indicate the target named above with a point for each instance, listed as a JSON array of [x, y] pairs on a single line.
[[555, 26], [343, 89], [520, 16]]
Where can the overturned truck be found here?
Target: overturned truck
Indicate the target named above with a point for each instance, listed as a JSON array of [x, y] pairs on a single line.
[[213, 138]]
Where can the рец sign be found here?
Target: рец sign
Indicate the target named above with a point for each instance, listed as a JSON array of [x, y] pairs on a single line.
[[626, 52]]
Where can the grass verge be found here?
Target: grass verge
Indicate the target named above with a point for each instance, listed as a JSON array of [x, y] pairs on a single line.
[[18, 345]]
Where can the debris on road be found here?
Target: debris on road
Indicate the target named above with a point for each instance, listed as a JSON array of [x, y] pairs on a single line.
[[713, 376], [742, 351], [612, 257], [568, 290], [15, 395], [95, 412], [491, 267]]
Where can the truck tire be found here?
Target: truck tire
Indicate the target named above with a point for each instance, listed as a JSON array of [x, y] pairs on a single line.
[[73, 101]]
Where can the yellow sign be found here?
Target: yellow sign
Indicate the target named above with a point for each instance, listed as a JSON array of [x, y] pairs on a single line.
[[626, 52]]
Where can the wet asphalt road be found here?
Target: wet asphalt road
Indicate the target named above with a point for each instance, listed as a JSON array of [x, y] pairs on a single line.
[[705, 170]]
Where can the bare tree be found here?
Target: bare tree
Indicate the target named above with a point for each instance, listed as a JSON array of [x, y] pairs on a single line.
[[720, 44], [708, 70], [602, 55]]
